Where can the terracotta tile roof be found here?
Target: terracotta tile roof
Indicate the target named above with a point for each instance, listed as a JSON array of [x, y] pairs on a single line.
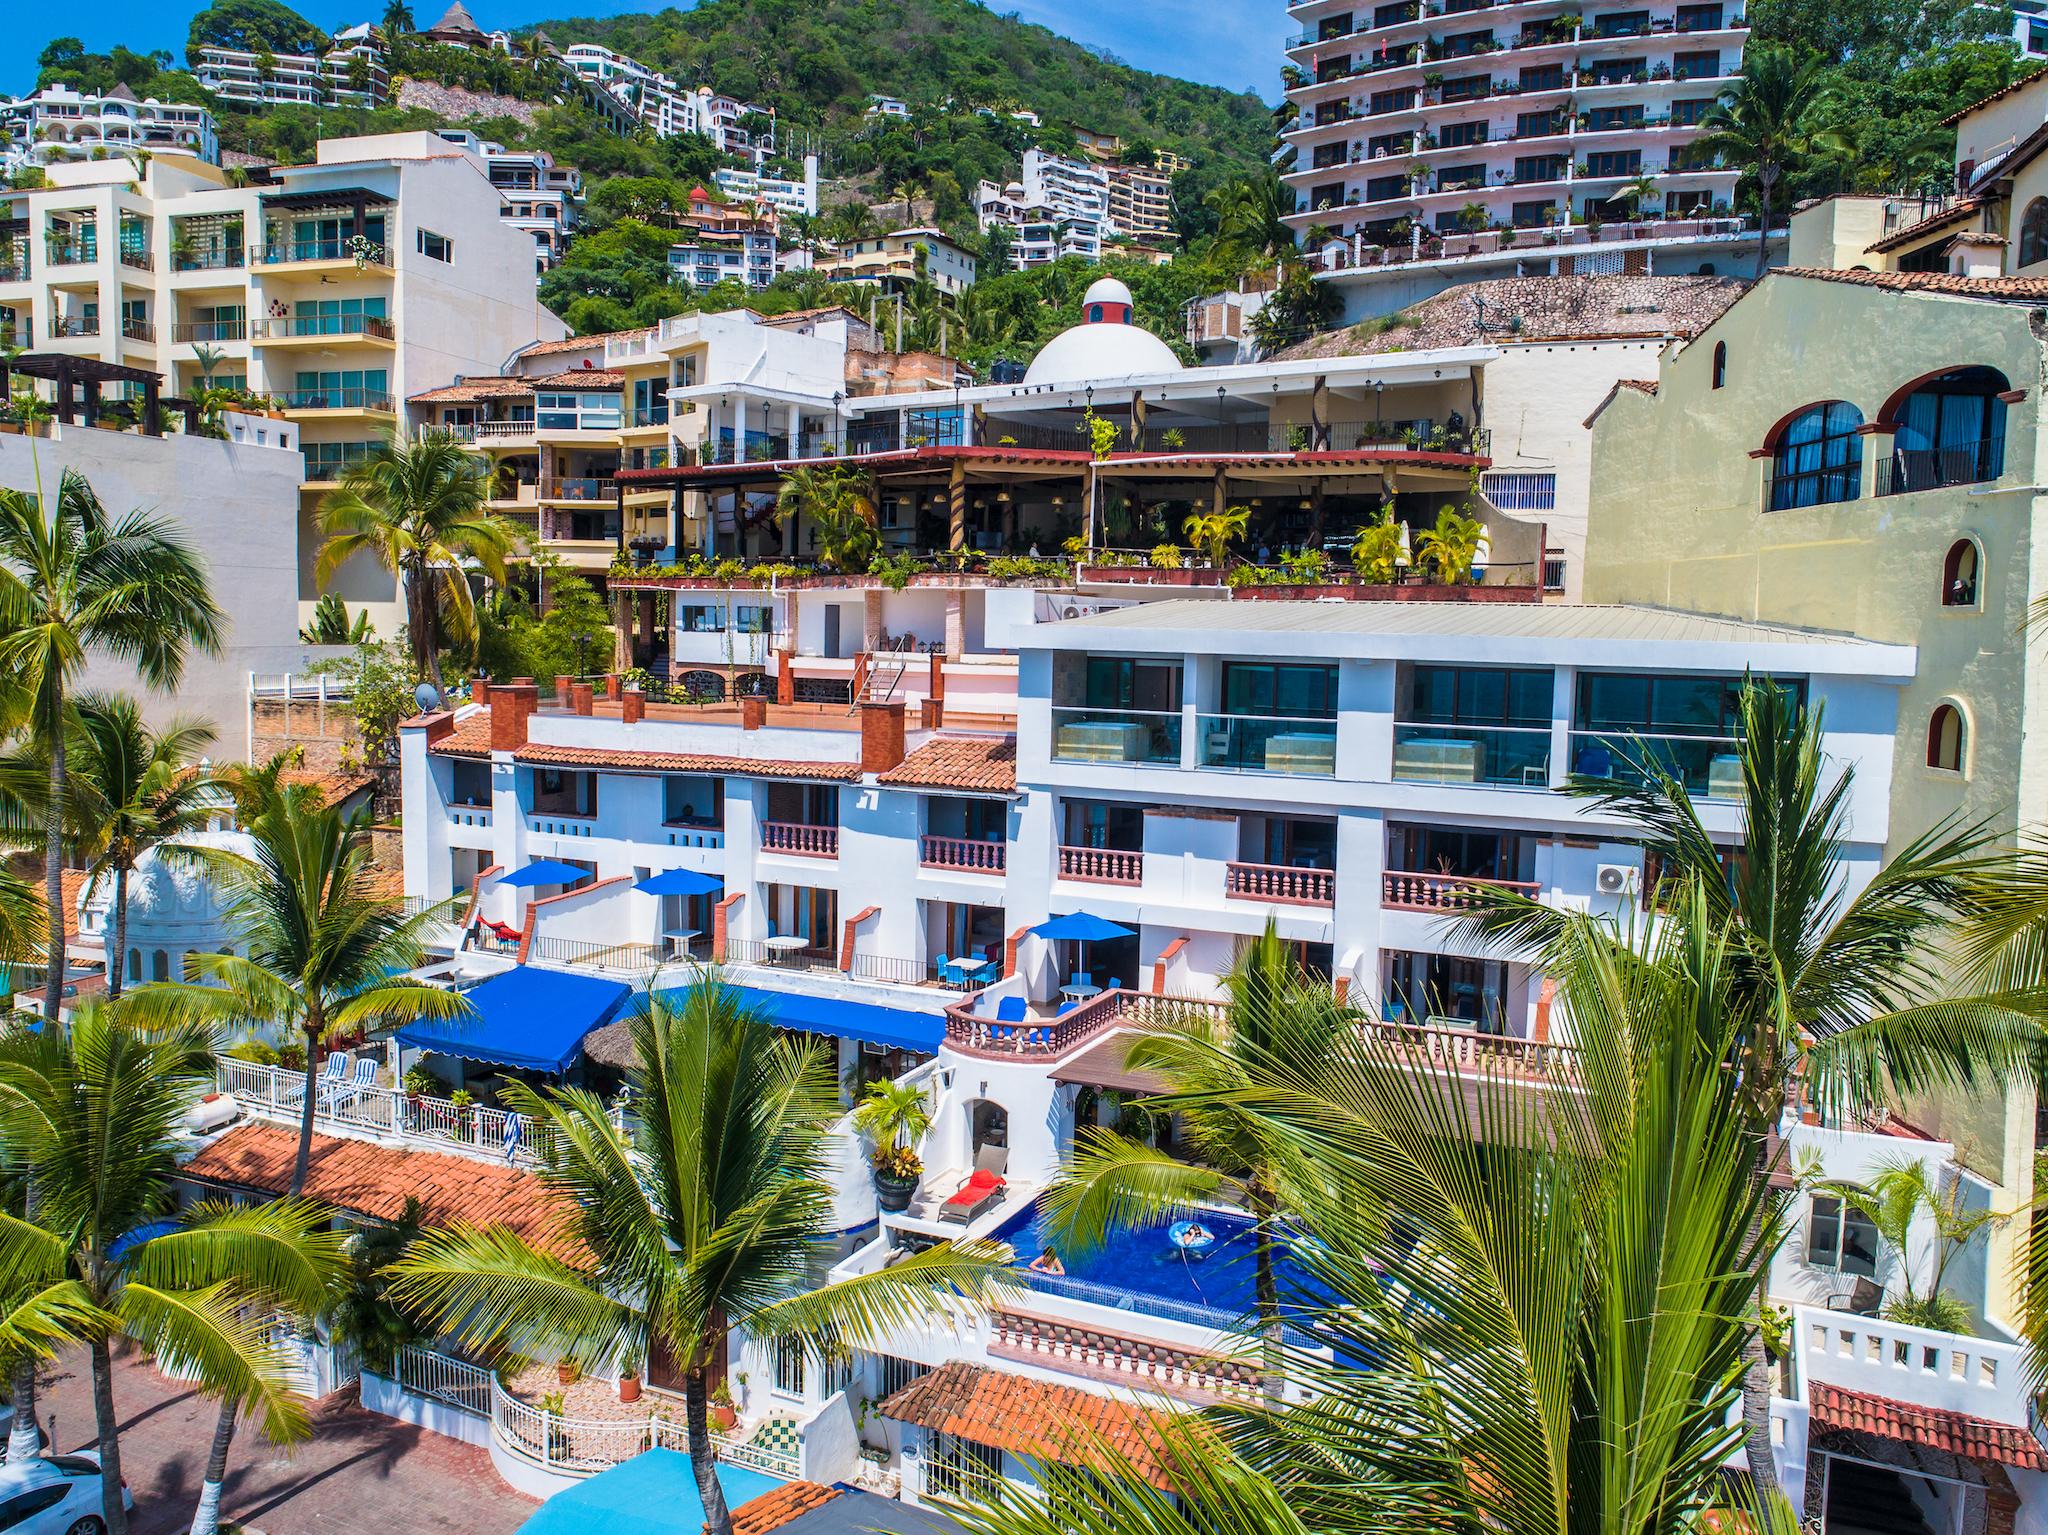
[[1646, 386], [681, 762], [1033, 1417], [772, 1510], [958, 762], [472, 390], [335, 788], [471, 737], [580, 378], [2009, 290], [1954, 213], [1980, 1439], [367, 1179], [1998, 95], [75, 881], [579, 343], [1640, 385]]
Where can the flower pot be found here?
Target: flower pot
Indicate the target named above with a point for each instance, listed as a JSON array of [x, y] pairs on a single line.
[[565, 1373], [894, 1194], [629, 1388], [722, 1417]]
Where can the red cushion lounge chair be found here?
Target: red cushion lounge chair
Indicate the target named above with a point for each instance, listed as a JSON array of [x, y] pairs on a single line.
[[984, 1188]]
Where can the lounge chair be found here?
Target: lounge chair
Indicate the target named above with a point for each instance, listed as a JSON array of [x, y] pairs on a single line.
[[983, 1189], [333, 1074], [1012, 1010], [1865, 1298], [350, 1091]]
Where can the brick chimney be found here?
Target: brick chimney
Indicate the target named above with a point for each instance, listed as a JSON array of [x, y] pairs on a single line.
[[753, 713], [633, 709], [480, 691], [582, 698], [439, 725], [512, 705], [881, 736]]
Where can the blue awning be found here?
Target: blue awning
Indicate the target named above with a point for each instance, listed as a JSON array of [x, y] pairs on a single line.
[[894, 1028], [528, 1018]]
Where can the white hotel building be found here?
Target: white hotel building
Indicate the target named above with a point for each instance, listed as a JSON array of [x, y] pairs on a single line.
[[1471, 139]]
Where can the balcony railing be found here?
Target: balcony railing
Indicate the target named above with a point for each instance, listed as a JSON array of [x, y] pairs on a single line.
[[135, 329], [60, 250], [583, 489], [273, 1092], [1284, 883], [966, 853], [337, 399], [799, 840], [135, 256], [1472, 754], [1965, 463], [374, 327], [1708, 766], [972, 1033], [1268, 744], [282, 252], [66, 327], [226, 258], [485, 431], [210, 330], [1117, 735], [1102, 865], [1443, 892]]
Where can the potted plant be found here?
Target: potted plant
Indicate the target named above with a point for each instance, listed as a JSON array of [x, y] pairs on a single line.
[[629, 1374], [722, 1415], [463, 1102], [895, 1116]]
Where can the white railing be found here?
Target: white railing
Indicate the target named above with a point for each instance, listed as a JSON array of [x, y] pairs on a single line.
[[454, 1381], [1941, 1370], [583, 1446], [438, 1124]]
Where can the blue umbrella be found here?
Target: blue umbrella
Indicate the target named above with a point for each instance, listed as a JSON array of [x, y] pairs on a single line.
[[680, 882], [1082, 927], [544, 872]]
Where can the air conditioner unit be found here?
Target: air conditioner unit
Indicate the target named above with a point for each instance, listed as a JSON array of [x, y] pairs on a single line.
[[1616, 879]]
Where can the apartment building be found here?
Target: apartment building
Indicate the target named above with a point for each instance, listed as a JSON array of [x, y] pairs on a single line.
[[540, 197], [778, 192], [57, 125], [1447, 141], [666, 108], [381, 268], [1058, 208], [354, 72], [1140, 203], [892, 261]]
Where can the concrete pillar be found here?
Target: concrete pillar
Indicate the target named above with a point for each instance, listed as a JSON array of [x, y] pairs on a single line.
[[622, 634], [956, 505], [634, 707], [739, 430], [796, 431], [956, 625]]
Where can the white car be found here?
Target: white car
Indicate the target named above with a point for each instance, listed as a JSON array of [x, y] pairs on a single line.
[[54, 1495]]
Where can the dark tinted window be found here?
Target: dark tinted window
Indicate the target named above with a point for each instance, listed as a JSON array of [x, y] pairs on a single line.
[[1470, 695]]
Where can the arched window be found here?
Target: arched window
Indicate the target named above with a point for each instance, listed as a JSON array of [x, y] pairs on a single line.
[[1945, 742], [2034, 232], [1959, 574], [1720, 363], [159, 965], [1817, 456], [1950, 430]]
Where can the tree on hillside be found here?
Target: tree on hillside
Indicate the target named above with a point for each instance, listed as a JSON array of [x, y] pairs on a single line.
[[253, 26], [1251, 221], [397, 21], [1763, 123]]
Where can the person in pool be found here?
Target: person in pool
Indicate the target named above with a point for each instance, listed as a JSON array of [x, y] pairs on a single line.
[[1047, 1262], [1194, 1235]]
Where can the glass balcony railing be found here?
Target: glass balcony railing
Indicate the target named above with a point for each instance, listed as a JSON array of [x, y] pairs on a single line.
[[373, 327], [337, 399], [1117, 735], [1476, 754], [1710, 767], [1258, 743]]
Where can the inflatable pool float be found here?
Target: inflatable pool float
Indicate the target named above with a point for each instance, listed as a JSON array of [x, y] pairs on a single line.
[[1191, 1238]]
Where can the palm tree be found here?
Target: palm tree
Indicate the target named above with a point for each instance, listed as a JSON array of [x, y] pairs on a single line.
[[417, 506], [1842, 988], [1214, 532], [1548, 1272], [1277, 1018], [327, 944], [138, 790], [1894, 1199], [72, 581], [1452, 545], [1763, 122], [839, 500], [1251, 221], [710, 1213], [91, 1115], [398, 20]]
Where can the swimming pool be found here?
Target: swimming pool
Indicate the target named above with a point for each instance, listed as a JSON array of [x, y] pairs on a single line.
[[1139, 1269]]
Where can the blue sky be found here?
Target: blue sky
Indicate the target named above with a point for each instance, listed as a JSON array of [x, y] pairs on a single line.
[[1224, 42]]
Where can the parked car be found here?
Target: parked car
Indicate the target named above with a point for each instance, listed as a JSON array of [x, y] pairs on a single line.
[[54, 1495]]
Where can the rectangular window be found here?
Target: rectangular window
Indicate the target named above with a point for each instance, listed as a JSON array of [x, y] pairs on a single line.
[[700, 618], [1699, 18], [1381, 189], [692, 800], [1390, 144], [1391, 101], [1619, 71], [1537, 125], [1539, 168], [1687, 113], [470, 784], [1464, 44], [1470, 695], [1621, 24], [751, 618], [1609, 119], [436, 247], [1520, 491], [1459, 178], [1117, 682], [1459, 135], [1533, 215], [1840, 1237], [1638, 703], [1544, 77], [1696, 66], [1615, 162], [1394, 15], [1300, 692], [1467, 88]]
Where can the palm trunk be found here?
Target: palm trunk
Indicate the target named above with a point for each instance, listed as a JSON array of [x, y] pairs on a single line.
[[117, 961], [53, 871], [1765, 181], [111, 1511], [1266, 1286], [697, 1422], [314, 1030], [22, 1439], [1756, 1363], [206, 1517]]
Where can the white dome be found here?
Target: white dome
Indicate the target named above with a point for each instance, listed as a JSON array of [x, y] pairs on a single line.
[[1106, 290], [1090, 354]]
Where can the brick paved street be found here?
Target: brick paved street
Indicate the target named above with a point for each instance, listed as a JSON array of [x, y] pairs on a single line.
[[360, 1474]]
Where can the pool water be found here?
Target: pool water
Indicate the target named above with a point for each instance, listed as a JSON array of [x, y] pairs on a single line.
[[1139, 1268]]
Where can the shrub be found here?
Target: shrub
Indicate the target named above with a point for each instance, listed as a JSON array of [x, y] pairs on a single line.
[[1166, 557]]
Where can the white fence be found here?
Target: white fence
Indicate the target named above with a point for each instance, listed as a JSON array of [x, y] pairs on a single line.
[[432, 1123], [1941, 1370], [584, 1446], [454, 1381]]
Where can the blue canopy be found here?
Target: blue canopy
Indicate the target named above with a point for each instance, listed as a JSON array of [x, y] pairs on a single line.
[[681, 882], [654, 1492], [1082, 927], [894, 1028], [528, 1018], [545, 871]]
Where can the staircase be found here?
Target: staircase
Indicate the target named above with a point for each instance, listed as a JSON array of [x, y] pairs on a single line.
[[878, 674], [1869, 1500]]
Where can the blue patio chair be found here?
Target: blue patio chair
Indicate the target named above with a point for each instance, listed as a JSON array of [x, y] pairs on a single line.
[[1083, 978], [1012, 1010], [1066, 1008], [1114, 985]]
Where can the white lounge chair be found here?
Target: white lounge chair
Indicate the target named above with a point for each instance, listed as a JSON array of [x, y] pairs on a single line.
[[350, 1091], [333, 1074]]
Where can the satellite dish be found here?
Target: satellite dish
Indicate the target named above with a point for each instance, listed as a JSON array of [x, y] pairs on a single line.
[[425, 696]]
